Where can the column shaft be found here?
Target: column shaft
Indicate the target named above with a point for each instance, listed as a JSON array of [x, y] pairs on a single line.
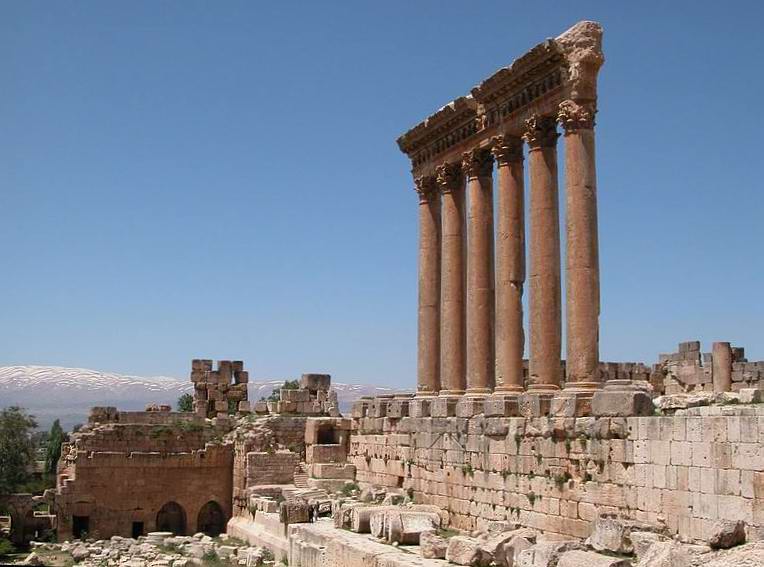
[[722, 367], [510, 264], [452, 314], [582, 258], [544, 276], [478, 167], [428, 328]]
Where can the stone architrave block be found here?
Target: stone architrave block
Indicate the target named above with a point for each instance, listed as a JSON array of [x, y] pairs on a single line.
[[622, 403]]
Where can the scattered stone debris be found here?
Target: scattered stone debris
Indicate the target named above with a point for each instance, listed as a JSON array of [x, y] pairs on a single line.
[[156, 549]]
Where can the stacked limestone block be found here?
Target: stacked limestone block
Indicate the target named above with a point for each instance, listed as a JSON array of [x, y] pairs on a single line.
[[314, 397], [216, 391], [690, 370]]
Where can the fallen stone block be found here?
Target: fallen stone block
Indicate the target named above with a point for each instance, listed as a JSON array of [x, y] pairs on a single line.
[[726, 534], [642, 541], [431, 545], [463, 550], [545, 553], [405, 527], [578, 558], [611, 533]]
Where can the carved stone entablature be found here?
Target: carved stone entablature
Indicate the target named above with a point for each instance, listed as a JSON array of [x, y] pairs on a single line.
[[536, 74], [573, 116], [426, 187], [507, 149], [477, 163], [450, 125], [449, 177], [541, 132], [559, 69]]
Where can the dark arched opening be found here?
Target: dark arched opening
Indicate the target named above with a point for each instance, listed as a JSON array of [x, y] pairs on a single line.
[[172, 518], [211, 519]]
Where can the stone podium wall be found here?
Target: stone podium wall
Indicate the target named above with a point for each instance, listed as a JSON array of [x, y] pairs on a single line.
[[556, 474], [115, 489]]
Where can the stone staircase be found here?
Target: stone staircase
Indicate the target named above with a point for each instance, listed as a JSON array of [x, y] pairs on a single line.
[[301, 476]]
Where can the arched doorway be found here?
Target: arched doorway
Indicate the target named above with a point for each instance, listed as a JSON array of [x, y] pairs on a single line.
[[211, 519], [172, 518]]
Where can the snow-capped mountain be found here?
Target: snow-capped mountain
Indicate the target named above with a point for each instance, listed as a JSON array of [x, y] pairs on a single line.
[[50, 392]]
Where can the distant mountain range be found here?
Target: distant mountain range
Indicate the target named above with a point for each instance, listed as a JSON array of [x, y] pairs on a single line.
[[50, 392]]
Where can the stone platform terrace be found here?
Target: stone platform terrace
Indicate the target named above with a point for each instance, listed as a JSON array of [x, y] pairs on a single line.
[[557, 474]]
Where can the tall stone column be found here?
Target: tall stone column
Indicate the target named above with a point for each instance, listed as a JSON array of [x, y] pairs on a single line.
[[452, 315], [478, 168], [510, 264], [582, 258], [544, 276], [428, 328]]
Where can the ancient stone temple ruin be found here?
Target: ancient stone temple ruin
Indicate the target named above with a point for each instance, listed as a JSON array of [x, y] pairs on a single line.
[[497, 458]]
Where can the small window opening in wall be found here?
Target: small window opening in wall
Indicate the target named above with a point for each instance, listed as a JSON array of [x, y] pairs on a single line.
[[80, 526], [137, 529]]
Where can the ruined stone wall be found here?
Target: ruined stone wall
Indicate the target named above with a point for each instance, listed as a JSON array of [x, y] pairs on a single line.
[[266, 434], [271, 468], [690, 370], [115, 489], [556, 474], [127, 437]]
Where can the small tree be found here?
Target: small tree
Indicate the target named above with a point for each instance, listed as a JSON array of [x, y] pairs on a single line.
[[56, 436], [16, 448], [186, 402]]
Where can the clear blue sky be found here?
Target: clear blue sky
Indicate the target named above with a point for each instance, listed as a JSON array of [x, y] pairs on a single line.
[[220, 179]]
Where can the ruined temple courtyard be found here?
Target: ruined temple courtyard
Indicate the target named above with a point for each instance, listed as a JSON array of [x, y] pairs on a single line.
[[499, 455]]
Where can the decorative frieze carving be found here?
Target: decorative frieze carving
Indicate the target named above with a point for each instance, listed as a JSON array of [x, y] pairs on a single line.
[[449, 177], [507, 149], [426, 187], [541, 131], [477, 163], [574, 116]]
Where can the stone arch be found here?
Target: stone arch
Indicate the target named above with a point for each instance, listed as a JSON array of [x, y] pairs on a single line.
[[211, 519], [172, 518]]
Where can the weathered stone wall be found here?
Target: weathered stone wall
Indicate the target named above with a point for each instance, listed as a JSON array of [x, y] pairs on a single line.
[[271, 468], [690, 370], [126, 437], [115, 489], [556, 474]]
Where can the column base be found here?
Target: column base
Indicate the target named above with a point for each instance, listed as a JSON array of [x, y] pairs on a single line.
[[622, 398], [470, 405], [380, 404], [572, 403], [444, 406], [590, 386], [501, 405], [426, 394], [542, 389], [535, 404]]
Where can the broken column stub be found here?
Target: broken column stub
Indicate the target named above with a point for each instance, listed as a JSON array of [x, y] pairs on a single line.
[[315, 382]]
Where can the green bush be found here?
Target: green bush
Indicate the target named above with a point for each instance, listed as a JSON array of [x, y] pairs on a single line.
[[6, 547]]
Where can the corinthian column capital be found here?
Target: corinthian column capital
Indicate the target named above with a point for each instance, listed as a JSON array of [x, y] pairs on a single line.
[[506, 149], [426, 187], [449, 177], [541, 132], [477, 163], [574, 116]]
